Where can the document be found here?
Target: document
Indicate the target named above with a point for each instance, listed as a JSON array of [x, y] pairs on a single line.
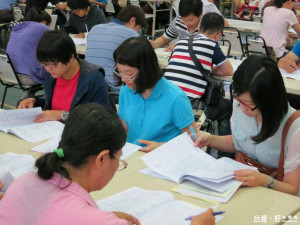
[[48, 146], [129, 149], [295, 75], [151, 207], [179, 160], [20, 122]]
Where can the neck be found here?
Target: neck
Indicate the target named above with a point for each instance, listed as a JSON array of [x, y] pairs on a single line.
[[147, 93], [258, 120], [73, 68], [87, 11]]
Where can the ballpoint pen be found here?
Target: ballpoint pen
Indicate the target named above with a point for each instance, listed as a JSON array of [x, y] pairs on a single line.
[[295, 67], [193, 132], [214, 214]]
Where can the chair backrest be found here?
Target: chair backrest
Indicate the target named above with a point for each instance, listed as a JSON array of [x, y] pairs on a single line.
[[49, 10], [233, 35], [225, 46], [53, 21], [8, 74], [17, 12], [256, 44]]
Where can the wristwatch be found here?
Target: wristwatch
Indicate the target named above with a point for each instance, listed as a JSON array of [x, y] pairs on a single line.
[[271, 183], [64, 116]]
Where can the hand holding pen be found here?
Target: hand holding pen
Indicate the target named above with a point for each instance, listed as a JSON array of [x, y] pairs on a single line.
[[205, 218]]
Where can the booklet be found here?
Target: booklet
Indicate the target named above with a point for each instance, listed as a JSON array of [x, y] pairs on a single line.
[[151, 207], [179, 160], [20, 122]]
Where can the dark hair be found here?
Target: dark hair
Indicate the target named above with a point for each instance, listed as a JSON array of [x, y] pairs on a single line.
[[90, 129], [279, 3], [137, 52], [260, 76], [55, 46], [130, 11], [187, 7], [212, 23], [78, 4], [37, 15]]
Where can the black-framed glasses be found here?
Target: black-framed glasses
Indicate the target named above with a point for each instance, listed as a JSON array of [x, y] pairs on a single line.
[[122, 163], [243, 103], [50, 65], [116, 72]]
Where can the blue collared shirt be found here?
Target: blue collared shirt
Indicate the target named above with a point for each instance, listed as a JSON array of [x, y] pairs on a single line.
[[5, 4]]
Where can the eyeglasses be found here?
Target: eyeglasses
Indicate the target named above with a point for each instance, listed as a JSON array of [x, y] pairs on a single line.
[[76, 11], [122, 163], [50, 65], [124, 76], [243, 103]]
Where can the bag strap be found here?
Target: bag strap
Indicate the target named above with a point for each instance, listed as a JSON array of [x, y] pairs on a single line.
[[286, 128], [198, 64]]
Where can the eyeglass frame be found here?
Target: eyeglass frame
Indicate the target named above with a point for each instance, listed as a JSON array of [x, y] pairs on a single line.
[[124, 76], [234, 95], [50, 65], [124, 163]]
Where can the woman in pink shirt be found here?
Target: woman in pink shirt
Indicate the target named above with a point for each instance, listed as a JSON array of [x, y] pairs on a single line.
[[87, 158], [276, 22]]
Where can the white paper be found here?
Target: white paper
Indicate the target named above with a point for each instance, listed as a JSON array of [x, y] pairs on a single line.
[[79, 41], [48, 146], [295, 75], [7, 179], [129, 149]]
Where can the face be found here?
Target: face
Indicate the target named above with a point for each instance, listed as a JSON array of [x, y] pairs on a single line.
[[247, 106], [128, 75], [56, 69], [80, 12], [191, 21]]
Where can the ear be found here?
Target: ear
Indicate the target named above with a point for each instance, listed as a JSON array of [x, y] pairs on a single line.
[[102, 158], [218, 36], [132, 21]]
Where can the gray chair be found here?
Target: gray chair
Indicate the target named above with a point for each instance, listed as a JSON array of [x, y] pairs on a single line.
[[233, 35]]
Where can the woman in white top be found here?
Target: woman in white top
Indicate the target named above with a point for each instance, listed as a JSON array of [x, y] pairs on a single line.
[[276, 22], [260, 111]]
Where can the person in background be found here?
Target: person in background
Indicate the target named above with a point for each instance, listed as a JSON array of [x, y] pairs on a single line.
[[260, 112], [187, 24], [151, 107], [84, 16], [283, 17], [69, 82], [182, 72], [105, 38], [290, 63], [100, 3], [22, 46], [42, 4], [6, 14]]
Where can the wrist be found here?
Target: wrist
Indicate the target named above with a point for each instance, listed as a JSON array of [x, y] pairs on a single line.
[[271, 183]]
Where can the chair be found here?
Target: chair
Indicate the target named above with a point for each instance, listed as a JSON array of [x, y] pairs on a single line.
[[233, 35], [9, 77], [17, 12], [225, 46], [53, 21]]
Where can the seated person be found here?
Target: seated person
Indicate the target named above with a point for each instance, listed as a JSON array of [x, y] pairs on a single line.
[[22, 46], [42, 4], [105, 38], [260, 112], [84, 16], [186, 24], [100, 3], [151, 107], [69, 82], [6, 14], [182, 72], [246, 11], [290, 63]]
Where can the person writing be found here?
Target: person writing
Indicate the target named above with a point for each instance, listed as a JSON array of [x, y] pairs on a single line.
[[260, 112], [151, 107], [86, 160], [69, 82]]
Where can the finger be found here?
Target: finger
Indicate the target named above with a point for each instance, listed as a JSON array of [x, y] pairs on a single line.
[[145, 142], [146, 149]]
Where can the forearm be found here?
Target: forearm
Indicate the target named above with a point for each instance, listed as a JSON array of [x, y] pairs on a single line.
[[100, 4], [159, 42], [222, 143]]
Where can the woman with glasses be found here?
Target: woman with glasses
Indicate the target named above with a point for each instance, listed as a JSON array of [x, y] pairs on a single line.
[[69, 82], [260, 111], [86, 160], [84, 16], [151, 107]]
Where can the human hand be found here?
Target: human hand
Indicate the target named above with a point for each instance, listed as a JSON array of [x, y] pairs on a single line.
[[48, 115], [287, 64], [131, 219], [26, 103], [169, 48], [205, 218], [80, 35], [203, 139], [151, 145], [251, 178], [1, 187]]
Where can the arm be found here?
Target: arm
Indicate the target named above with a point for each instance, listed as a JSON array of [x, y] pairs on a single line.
[[289, 62], [100, 4], [159, 42], [205, 218], [226, 24], [296, 27], [225, 69]]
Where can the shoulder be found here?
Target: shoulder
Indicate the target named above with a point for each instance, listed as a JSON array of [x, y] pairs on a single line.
[[171, 89]]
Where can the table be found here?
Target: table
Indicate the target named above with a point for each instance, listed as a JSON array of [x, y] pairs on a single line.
[[246, 205]]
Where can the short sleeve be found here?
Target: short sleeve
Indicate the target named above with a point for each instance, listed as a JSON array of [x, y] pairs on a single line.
[[171, 32], [292, 19], [218, 58], [182, 113], [292, 158], [296, 49], [207, 8]]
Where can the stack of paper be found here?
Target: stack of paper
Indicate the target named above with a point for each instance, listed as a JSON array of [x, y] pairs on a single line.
[[151, 207], [20, 122], [178, 160]]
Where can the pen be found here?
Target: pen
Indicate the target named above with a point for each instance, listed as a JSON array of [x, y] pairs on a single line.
[[295, 67], [58, 28], [214, 214], [86, 28], [193, 132]]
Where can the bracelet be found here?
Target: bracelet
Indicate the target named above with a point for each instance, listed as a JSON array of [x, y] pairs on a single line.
[[271, 183]]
